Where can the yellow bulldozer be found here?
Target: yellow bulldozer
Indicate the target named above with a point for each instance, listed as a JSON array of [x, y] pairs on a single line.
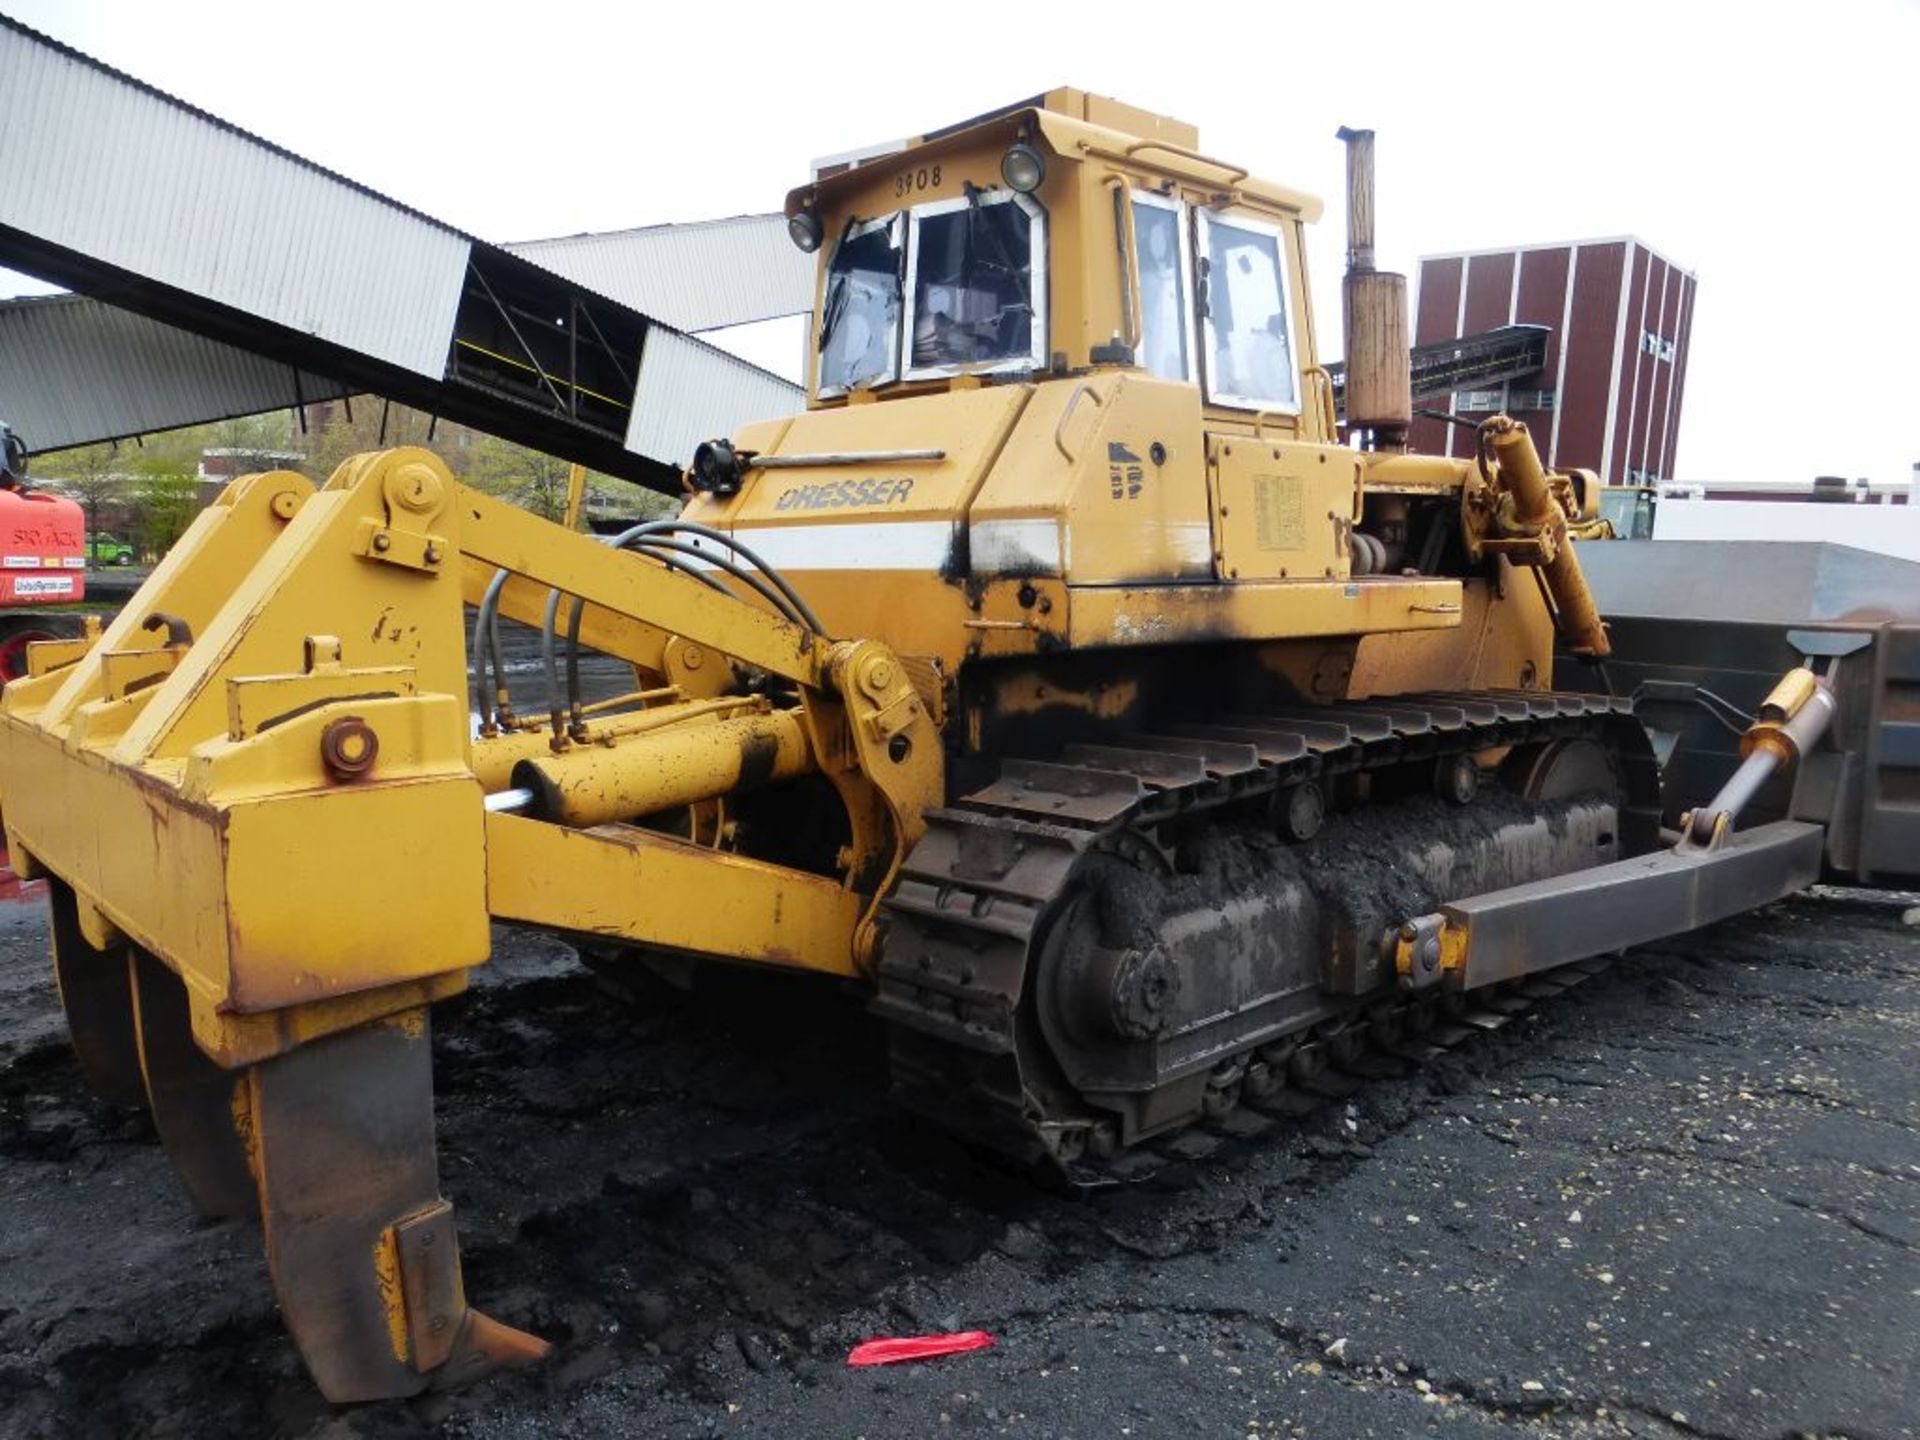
[[1062, 676]]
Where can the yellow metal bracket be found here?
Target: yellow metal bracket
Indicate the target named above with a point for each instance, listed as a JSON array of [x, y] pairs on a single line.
[[709, 902], [258, 702], [46, 656], [415, 497], [191, 584], [1426, 950], [122, 672], [900, 770]]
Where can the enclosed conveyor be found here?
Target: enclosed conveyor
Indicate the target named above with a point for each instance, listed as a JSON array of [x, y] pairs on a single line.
[[127, 195]]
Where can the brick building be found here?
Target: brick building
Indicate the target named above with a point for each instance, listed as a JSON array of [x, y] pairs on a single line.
[[1608, 398]]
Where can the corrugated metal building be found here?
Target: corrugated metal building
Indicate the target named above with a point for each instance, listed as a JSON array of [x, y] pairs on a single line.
[[1608, 398]]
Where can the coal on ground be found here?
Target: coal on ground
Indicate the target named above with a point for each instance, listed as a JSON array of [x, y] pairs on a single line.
[[1680, 1200]]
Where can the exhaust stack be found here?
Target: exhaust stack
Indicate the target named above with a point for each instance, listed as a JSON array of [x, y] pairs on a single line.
[[1379, 374]]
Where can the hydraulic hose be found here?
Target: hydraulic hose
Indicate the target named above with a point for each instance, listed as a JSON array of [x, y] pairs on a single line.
[[550, 662], [576, 718], [486, 641], [654, 539], [800, 613], [574, 708], [655, 544]]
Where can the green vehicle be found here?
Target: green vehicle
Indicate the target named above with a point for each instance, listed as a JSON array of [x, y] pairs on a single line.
[[108, 549]]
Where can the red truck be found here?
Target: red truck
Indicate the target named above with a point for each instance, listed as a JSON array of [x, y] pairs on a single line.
[[43, 560]]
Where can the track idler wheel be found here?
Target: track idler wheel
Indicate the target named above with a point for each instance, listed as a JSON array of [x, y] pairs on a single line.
[[363, 1252]]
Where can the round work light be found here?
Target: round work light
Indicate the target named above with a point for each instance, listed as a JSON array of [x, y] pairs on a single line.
[[1023, 167], [803, 228]]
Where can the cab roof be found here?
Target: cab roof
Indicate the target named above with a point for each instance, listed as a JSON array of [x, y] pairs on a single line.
[[1077, 124]]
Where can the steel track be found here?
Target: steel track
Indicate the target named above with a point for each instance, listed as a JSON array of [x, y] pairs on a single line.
[[980, 889]]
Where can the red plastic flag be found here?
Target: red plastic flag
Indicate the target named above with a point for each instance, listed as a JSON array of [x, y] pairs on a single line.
[[917, 1347]]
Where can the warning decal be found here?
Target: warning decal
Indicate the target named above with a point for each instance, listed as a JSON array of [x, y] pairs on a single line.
[[1278, 512]]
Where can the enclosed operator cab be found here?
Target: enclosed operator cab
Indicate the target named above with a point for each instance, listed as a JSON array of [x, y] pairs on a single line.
[[1066, 233], [1061, 386], [1064, 393]]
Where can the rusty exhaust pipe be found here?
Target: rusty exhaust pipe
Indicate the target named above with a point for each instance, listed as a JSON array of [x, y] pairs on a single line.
[[1374, 309]]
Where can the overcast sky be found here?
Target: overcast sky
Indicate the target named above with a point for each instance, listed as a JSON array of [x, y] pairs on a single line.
[[1772, 149]]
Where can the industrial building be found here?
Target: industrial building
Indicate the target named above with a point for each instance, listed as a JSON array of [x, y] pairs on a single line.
[[1608, 397]]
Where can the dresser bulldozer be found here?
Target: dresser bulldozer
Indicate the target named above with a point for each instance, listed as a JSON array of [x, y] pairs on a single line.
[[1139, 738]]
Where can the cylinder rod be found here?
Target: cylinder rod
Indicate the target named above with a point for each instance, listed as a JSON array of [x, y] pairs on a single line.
[[1536, 510], [1776, 741]]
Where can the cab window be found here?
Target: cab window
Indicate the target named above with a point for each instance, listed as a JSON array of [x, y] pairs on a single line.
[[976, 278], [860, 316], [1166, 328], [1247, 317]]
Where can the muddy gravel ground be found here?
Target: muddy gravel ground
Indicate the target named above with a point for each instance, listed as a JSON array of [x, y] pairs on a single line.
[[1683, 1199]]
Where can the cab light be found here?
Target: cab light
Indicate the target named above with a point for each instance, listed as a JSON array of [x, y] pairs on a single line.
[[1023, 168], [803, 228]]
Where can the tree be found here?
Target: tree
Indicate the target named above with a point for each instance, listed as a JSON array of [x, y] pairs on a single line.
[[269, 432], [538, 482], [622, 500], [168, 502], [90, 475], [521, 477], [333, 433]]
